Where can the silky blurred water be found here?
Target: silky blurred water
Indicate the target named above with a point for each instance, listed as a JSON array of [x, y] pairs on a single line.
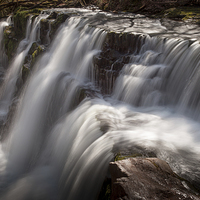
[[62, 138]]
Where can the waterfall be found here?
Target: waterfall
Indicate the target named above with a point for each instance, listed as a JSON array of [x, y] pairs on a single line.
[[3, 59], [13, 73], [161, 74], [65, 133]]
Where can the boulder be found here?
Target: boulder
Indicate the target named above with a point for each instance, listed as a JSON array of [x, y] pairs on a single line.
[[147, 178]]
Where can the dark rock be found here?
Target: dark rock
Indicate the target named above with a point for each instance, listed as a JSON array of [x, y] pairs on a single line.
[[53, 15], [34, 46], [56, 23], [116, 51], [105, 190], [10, 42], [147, 178], [44, 29], [25, 73], [20, 21]]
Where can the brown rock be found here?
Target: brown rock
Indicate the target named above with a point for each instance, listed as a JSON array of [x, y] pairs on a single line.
[[146, 178]]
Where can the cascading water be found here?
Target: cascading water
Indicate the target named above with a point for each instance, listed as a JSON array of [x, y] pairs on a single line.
[[3, 60], [63, 137], [155, 76], [9, 85]]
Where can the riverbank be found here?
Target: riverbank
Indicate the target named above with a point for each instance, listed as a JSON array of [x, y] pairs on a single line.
[[177, 10]]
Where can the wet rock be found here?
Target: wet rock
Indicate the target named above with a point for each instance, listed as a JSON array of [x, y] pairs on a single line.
[[10, 42], [44, 29], [34, 52], [34, 46], [147, 178], [56, 23], [116, 51], [105, 190], [25, 72], [6, 123], [53, 15], [20, 20], [13, 34]]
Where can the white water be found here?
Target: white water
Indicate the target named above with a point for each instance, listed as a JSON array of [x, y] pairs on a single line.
[[58, 149], [13, 73], [160, 73], [3, 57]]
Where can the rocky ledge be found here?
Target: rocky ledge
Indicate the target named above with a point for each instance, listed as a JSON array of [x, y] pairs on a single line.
[[147, 178]]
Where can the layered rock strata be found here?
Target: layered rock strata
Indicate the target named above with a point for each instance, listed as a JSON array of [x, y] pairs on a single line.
[[116, 52], [147, 178]]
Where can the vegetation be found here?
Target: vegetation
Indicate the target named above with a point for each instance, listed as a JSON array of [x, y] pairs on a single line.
[[183, 12], [145, 6], [105, 193], [119, 156], [10, 43]]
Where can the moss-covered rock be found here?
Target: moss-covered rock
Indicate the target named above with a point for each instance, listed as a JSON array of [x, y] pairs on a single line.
[[14, 34], [120, 156], [30, 59], [173, 13], [44, 30], [56, 23], [181, 13], [20, 20], [35, 53], [53, 15], [105, 193], [25, 73], [10, 42], [34, 47], [133, 152]]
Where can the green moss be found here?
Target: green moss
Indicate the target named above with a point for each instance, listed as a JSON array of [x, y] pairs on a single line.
[[12, 35], [20, 20], [183, 13], [30, 59], [26, 10], [35, 53], [10, 47], [33, 48], [173, 13], [154, 164], [105, 193], [190, 13], [25, 73], [56, 23], [122, 157], [10, 43]]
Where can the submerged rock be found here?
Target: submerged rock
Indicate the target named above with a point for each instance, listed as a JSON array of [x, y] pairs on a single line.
[[147, 178]]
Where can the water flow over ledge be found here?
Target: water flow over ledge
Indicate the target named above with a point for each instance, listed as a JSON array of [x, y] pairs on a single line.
[[59, 148], [9, 84]]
